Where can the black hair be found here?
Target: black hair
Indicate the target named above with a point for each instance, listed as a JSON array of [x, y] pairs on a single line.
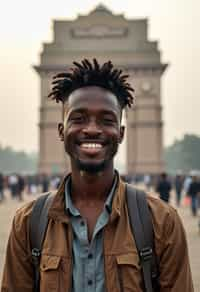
[[89, 73]]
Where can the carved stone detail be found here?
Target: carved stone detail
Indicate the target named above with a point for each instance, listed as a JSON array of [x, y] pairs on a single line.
[[98, 31]]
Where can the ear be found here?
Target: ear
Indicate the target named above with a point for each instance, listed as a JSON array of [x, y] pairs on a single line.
[[121, 134], [61, 131]]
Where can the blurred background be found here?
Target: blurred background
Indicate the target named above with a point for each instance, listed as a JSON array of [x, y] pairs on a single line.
[[25, 26], [157, 43]]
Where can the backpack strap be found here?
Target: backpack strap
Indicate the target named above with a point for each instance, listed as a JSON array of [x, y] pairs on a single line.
[[142, 229], [38, 227]]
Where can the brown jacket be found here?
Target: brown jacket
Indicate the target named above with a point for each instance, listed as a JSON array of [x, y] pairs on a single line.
[[122, 268]]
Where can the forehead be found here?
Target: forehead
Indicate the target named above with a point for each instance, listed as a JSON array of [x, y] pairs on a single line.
[[92, 97]]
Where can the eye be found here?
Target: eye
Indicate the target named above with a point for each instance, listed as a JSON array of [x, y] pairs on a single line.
[[108, 120], [77, 118]]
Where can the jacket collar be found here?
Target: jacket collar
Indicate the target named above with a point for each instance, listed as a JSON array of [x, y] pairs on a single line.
[[58, 210], [118, 200]]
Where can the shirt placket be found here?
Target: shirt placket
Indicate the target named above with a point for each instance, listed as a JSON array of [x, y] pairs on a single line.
[[90, 267]]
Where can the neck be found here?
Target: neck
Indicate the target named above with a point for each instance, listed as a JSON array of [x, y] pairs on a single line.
[[91, 187]]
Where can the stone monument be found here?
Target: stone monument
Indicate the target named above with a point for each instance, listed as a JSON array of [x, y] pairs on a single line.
[[106, 36]]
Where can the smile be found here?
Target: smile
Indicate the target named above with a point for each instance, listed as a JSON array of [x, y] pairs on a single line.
[[91, 148], [91, 145]]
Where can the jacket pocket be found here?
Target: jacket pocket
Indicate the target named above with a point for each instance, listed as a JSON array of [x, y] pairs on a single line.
[[129, 274], [49, 273]]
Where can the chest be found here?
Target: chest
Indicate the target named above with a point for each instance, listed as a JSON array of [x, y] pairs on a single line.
[[118, 267], [90, 214]]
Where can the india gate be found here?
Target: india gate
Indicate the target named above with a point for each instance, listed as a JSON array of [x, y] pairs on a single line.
[[106, 36]]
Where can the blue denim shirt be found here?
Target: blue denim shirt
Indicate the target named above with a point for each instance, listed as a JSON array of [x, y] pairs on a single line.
[[88, 260]]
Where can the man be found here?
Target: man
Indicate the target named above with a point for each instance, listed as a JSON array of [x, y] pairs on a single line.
[[164, 188], [21, 186], [1, 187], [89, 245], [13, 184], [193, 192], [178, 184], [147, 181]]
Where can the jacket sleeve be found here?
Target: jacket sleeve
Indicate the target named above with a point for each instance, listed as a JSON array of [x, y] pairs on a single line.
[[18, 270], [175, 273]]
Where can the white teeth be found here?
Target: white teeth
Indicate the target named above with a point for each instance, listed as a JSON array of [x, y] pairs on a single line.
[[91, 145]]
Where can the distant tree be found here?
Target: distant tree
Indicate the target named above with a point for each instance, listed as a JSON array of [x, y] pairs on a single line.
[[183, 154], [17, 161]]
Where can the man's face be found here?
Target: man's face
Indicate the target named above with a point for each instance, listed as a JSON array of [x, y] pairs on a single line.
[[91, 130]]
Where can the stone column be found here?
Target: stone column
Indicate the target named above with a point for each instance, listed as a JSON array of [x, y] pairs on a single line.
[[144, 125], [52, 158]]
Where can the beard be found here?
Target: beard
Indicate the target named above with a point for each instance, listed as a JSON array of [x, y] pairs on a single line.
[[93, 167]]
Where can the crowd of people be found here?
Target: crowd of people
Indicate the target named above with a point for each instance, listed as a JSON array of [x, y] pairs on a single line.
[[17, 184], [186, 187]]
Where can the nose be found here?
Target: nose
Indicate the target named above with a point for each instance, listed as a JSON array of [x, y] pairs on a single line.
[[92, 129]]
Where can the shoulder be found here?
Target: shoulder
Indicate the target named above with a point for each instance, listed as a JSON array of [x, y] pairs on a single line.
[[19, 231], [159, 208], [22, 216], [166, 221]]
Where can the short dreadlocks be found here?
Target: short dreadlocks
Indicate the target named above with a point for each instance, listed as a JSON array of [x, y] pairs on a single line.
[[89, 73]]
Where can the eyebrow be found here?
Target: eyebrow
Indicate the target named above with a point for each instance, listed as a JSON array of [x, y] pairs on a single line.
[[84, 110]]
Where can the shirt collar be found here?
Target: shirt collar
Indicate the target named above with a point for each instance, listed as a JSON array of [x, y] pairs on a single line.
[[69, 204]]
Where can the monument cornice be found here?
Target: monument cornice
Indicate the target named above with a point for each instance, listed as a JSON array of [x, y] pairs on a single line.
[[137, 67]]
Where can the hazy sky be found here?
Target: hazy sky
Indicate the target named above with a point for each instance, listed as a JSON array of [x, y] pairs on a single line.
[[25, 25]]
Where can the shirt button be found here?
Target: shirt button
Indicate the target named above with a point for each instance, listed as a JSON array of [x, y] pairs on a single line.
[[82, 223], [90, 256], [90, 282]]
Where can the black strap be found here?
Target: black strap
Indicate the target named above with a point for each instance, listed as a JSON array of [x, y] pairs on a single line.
[[38, 226], [142, 228]]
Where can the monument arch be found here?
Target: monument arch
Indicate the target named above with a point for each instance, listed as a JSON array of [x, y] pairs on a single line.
[[106, 36]]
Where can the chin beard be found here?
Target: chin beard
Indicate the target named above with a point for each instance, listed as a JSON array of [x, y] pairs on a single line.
[[92, 168]]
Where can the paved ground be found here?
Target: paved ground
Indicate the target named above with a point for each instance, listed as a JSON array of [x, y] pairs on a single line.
[[7, 210], [193, 236]]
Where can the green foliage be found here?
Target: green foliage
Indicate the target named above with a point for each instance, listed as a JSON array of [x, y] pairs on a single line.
[[17, 161], [183, 154]]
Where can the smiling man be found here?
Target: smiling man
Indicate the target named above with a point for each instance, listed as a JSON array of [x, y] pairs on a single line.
[[91, 131], [89, 245]]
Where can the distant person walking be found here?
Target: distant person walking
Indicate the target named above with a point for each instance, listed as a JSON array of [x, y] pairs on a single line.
[[186, 184], [147, 181], [178, 185], [45, 183], [1, 187], [13, 185], [21, 186], [193, 192], [164, 187]]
